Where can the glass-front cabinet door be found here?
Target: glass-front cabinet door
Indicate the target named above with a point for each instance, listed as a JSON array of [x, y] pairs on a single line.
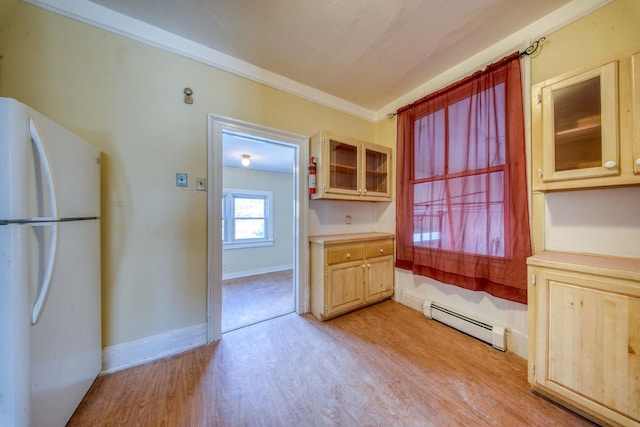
[[343, 167], [580, 126], [635, 85], [376, 171]]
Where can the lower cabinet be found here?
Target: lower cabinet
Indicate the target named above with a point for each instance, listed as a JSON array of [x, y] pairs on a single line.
[[584, 334], [349, 271]]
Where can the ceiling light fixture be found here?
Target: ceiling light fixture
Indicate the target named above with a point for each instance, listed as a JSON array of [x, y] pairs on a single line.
[[245, 160]]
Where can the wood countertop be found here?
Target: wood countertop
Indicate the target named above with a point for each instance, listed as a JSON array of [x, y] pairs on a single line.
[[326, 239]]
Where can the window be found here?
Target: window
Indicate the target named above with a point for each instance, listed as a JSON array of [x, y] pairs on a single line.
[[247, 218], [459, 176], [461, 206]]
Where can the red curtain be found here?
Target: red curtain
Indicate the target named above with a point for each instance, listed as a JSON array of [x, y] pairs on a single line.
[[461, 197]]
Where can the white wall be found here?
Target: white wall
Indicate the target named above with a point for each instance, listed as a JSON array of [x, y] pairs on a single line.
[[240, 262], [603, 221]]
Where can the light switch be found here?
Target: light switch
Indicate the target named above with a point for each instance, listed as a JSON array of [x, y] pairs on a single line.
[[201, 184]]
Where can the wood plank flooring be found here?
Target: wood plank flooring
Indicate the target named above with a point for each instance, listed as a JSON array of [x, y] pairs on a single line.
[[384, 365], [252, 299]]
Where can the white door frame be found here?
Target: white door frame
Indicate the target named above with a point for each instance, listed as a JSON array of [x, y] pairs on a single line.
[[216, 126]]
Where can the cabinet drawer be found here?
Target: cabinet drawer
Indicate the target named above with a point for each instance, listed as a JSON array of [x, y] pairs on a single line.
[[344, 254], [381, 248]]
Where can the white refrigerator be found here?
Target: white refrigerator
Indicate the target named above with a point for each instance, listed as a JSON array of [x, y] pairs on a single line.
[[50, 333]]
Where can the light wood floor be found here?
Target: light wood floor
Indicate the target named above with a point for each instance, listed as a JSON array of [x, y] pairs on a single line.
[[384, 365], [252, 299]]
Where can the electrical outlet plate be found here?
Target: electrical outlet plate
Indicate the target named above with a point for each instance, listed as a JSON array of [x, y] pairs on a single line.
[[182, 180]]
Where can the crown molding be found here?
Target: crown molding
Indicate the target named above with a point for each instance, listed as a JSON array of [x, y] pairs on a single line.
[[115, 22], [519, 40]]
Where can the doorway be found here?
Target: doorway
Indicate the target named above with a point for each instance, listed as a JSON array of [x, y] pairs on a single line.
[[233, 131]]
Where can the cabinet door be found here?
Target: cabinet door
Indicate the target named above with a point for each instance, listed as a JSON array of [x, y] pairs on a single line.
[[345, 287], [635, 90], [377, 167], [587, 342], [341, 174], [379, 278], [580, 126]]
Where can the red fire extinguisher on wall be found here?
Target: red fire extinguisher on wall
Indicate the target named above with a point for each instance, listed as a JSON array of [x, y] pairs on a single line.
[[312, 175]]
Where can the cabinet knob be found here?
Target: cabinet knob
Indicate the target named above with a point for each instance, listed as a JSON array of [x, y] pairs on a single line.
[[381, 250], [369, 265], [638, 161], [364, 191], [611, 164], [348, 255]]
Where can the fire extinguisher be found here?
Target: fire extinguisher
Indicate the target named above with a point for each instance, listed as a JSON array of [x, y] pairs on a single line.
[[312, 175]]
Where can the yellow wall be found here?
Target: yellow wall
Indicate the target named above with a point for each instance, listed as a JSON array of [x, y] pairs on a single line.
[[609, 30], [126, 98]]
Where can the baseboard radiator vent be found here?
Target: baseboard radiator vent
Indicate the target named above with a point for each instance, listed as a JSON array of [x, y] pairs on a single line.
[[491, 334]]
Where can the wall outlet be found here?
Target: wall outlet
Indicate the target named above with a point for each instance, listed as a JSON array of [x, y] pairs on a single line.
[[347, 219], [182, 180]]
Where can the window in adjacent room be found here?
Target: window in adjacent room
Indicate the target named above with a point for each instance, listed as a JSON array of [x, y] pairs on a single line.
[[247, 218]]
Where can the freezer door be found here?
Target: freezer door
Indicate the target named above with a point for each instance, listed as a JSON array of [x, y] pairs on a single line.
[[43, 165]]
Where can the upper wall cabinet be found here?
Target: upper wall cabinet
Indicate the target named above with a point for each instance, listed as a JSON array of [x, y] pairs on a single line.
[[350, 169], [586, 127]]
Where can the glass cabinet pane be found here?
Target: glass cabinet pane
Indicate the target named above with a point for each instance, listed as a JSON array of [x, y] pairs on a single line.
[[343, 166], [578, 125], [376, 171]]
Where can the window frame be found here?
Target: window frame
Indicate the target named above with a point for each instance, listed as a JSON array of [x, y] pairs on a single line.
[[229, 218]]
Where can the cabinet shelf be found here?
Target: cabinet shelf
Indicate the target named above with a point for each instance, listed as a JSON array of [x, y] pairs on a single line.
[[578, 132]]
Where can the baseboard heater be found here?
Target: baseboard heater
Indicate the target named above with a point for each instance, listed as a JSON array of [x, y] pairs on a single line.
[[491, 334]]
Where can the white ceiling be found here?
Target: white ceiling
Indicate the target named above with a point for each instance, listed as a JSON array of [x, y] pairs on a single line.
[[364, 57], [265, 155], [366, 52]]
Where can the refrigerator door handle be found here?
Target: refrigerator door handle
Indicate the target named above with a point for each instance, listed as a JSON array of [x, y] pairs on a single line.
[[45, 286], [43, 293], [48, 173]]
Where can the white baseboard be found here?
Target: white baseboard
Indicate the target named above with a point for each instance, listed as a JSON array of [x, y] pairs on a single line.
[[413, 300], [246, 273], [516, 340], [127, 355]]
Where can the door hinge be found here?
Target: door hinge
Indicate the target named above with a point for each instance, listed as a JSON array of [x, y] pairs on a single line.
[[533, 369], [533, 279], [540, 172], [326, 273], [539, 98]]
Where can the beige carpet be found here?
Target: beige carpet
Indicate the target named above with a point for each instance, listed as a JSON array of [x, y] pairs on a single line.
[[253, 299]]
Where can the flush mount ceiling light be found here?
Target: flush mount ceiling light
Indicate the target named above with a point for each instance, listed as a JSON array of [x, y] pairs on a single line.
[[245, 160]]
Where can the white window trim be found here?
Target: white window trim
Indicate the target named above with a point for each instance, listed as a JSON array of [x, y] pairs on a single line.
[[268, 240]]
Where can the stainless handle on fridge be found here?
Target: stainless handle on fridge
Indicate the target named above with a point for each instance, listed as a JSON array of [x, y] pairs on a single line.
[[41, 299]]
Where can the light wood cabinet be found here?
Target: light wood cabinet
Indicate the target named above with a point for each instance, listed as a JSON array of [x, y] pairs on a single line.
[[349, 271], [350, 169], [584, 334], [585, 127]]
